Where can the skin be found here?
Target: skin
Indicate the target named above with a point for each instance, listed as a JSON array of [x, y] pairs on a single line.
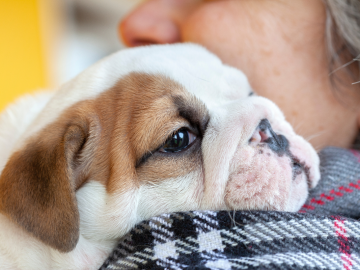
[[278, 44]]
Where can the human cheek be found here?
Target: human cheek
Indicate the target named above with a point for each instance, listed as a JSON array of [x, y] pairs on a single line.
[[233, 30], [214, 26]]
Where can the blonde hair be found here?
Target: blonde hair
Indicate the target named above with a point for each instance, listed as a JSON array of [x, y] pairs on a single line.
[[343, 36]]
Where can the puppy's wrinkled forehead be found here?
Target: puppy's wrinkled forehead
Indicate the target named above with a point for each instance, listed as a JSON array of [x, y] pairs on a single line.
[[196, 69]]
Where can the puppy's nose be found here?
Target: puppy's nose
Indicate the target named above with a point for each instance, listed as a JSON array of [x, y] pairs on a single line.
[[277, 143]]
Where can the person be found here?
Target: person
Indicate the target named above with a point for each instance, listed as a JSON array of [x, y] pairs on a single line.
[[301, 54]]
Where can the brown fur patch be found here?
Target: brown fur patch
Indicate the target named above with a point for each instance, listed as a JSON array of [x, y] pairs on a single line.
[[146, 115]]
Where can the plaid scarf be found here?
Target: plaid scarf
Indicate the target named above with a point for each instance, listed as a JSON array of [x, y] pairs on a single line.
[[323, 235]]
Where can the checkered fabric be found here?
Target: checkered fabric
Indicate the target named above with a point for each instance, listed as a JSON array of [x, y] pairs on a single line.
[[338, 191], [323, 235]]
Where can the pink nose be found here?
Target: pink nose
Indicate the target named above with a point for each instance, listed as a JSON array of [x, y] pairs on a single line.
[[151, 23]]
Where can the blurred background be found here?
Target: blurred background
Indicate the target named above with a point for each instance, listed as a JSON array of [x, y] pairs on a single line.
[[44, 43]]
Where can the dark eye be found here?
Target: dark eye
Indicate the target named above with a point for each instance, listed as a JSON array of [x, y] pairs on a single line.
[[178, 142]]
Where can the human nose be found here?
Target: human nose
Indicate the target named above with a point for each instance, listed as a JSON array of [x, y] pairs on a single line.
[[153, 22]]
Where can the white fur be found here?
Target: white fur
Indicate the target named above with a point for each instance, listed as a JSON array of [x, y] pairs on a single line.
[[188, 193], [16, 118], [105, 218]]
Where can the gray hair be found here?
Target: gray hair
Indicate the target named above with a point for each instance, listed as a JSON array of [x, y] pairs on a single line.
[[343, 36]]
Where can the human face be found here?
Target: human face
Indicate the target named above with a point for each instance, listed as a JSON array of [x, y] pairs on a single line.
[[279, 44]]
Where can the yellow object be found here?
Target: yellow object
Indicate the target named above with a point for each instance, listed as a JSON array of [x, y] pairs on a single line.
[[22, 57]]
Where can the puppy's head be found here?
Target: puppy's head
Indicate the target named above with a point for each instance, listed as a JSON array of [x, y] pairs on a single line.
[[260, 163], [147, 131]]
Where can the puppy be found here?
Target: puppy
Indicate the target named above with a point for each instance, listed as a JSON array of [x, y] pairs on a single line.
[[143, 132]]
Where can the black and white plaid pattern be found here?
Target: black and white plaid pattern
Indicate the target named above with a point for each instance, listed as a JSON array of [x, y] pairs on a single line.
[[321, 236]]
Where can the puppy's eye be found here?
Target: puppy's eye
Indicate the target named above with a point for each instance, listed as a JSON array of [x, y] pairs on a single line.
[[178, 142]]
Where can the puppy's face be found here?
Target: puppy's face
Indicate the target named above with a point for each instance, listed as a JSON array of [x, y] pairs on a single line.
[[182, 135]]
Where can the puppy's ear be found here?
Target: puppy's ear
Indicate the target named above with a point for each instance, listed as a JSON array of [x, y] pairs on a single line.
[[38, 184]]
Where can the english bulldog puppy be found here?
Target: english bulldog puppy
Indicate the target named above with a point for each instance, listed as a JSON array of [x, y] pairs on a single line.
[[143, 132]]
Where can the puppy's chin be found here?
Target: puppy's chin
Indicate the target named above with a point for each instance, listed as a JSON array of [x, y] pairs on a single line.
[[262, 180], [259, 180]]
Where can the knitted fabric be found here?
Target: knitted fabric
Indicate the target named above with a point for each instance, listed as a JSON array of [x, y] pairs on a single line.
[[323, 235]]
